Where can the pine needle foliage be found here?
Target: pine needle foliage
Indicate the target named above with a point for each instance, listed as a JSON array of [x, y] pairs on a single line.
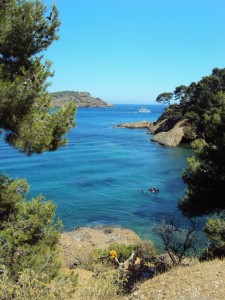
[[27, 28], [29, 232]]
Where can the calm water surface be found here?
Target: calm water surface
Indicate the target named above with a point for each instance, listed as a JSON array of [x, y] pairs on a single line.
[[99, 177]]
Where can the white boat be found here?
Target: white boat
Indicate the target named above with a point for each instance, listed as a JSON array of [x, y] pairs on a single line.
[[144, 110]]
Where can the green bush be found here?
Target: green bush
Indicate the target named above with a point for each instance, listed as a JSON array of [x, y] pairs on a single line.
[[192, 116], [146, 250], [215, 230], [189, 133], [123, 251], [176, 116], [29, 234]]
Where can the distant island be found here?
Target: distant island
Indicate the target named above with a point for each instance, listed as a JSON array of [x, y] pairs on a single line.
[[81, 99]]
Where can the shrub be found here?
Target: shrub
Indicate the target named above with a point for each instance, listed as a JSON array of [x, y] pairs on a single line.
[[215, 230], [178, 243], [29, 233], [189, 133], [192, 116], [146, 250], [176, 116], [36, 286], [92, 260], [105, 285], [123, 251]]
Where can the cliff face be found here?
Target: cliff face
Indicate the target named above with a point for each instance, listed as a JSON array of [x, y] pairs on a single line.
[[165, 132], [172, 129], [81, 99], [198, 104], [172, 137]]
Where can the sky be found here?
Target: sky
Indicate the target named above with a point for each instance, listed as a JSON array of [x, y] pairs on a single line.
[[130, 51]]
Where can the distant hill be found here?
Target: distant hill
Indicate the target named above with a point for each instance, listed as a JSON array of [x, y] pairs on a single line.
[[81, 99]]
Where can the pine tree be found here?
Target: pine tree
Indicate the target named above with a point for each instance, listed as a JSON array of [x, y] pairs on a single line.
[[29, 233], [26, 29], [205, 176]]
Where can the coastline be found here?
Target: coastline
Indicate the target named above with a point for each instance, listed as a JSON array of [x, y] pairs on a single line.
[[205, 280], [76, 245]]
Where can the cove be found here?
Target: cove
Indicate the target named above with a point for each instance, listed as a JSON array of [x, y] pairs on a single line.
[[99, 177]]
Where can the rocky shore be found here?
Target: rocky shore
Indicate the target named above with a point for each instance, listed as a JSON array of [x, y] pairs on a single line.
[[193, 281], [133, 125], [170, 138], [162, 135], [76, 245]]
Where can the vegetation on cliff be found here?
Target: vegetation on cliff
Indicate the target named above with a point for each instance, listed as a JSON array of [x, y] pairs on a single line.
[[198, 103], [205, 178], [202, 106]]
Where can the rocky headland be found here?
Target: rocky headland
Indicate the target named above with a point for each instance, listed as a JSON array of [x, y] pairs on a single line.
[[81, 99], [180, 132], [165, 132]]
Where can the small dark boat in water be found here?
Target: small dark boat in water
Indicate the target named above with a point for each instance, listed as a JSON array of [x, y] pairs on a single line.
[[153, 190]]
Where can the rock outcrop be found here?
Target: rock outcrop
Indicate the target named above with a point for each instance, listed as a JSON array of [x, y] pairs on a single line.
[[81, 99], [77, 245], [165, 134], [133, 125], [171, 138], [159, 126]]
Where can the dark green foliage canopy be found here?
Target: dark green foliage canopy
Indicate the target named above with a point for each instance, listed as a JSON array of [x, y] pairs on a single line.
[[205, 175], [202, 105], [205, 178], [28, 232], [26, 29], [196, 101], [165, 98]]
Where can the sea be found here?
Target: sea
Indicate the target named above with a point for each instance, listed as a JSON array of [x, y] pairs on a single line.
[[103, 175]]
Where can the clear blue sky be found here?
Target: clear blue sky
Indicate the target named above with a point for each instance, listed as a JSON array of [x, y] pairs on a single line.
[[129, 51]]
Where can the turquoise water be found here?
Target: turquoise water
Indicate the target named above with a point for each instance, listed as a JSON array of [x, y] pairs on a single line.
[[98, 178]]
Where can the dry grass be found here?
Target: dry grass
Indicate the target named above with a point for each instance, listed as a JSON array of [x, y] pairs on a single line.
[[201, 281], [102, 287], [79, 243]]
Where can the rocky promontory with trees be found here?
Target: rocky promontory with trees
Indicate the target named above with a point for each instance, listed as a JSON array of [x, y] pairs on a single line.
[[181, 132], [187, 120], [80, 99]]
